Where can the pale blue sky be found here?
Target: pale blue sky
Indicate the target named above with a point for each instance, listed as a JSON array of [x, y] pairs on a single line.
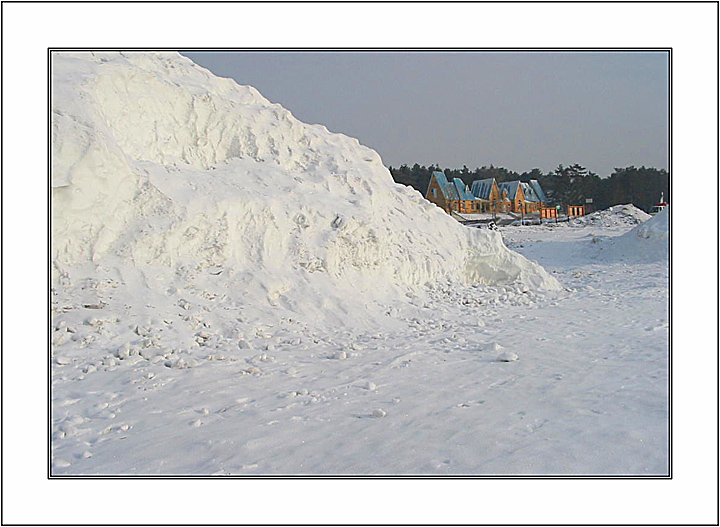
[[512, 109]]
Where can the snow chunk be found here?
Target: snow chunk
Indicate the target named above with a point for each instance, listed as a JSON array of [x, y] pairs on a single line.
[[507, 356]]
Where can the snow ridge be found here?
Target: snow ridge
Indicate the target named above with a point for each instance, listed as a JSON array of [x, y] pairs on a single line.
[[616, 216]]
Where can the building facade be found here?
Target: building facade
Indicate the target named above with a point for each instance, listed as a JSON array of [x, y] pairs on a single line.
[[486, 195], [455, 196]]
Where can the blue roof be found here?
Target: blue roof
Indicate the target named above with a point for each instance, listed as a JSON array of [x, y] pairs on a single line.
[[528, 192], [510, 186], [532, 191], [440, 176], [462, 189], [450, 191], [535, 184], [482, 188]]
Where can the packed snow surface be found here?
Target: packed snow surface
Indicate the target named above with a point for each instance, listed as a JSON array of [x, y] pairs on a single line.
[[236, 292]]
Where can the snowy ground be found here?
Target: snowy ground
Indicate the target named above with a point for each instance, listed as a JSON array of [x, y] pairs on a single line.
[[426, 395]]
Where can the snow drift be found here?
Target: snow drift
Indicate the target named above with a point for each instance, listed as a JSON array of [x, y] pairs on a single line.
[[616, 216], [168, 178], [649, 241]]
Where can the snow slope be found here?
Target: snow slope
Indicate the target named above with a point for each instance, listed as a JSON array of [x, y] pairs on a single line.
[[163, 173], [649, 241], [656, 230]]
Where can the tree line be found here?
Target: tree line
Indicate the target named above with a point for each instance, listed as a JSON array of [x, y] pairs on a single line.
[[566, 185]]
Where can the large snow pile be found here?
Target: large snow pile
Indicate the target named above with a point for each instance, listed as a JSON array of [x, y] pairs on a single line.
[[616, 216], [168, 180], [649, 241]]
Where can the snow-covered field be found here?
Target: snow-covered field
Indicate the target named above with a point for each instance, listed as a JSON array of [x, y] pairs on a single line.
[[236, 292], [587, 395]]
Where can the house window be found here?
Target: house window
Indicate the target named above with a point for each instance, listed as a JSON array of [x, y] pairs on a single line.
[[434, 193]]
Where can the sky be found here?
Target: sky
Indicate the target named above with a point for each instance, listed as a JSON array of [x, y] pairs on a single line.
[[518, 110]]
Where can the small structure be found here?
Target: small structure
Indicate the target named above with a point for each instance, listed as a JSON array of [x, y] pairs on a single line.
[[548, 213], [575, 211], [660, 205]]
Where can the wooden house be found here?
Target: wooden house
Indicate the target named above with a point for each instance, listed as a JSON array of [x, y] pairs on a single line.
[[451, 196], [523, 197], [488, 193]]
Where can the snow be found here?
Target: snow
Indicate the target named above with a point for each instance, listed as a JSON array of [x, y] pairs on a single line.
[[647, 241], [236, 292], [168, 178], [618, 215], [508, 356]]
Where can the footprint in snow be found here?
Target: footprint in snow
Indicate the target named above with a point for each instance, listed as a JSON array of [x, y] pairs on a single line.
[[378, 413], [60, 463], [468, 404]]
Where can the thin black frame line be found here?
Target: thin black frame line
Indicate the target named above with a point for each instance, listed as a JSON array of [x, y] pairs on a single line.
[[48, 430], [307, 476], [616, 49], [670, 274], [2, 274], [357, 477], [364, 524], [651, 2], [370, 476], [717, 261]]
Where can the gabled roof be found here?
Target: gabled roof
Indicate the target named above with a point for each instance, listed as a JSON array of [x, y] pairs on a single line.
[[441, 179], [450, 191], [510, 186], [482, 188], [532, 190], [535, 184], [528, 192], [462, 189]]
